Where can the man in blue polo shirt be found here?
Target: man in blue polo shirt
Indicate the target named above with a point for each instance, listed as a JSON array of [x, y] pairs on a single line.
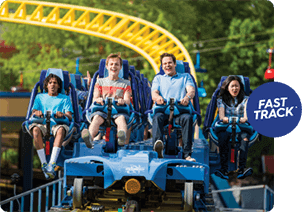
[[178, 86]]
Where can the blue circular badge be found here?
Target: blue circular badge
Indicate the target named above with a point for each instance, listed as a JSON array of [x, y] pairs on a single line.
[[274, 109]]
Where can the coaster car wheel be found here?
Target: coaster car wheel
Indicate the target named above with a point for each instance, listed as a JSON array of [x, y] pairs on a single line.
[[188, 197], [77, 193]]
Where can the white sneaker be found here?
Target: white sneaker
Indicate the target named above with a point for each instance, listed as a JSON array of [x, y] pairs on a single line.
[[87, 138], [121, 137], [158, 147]]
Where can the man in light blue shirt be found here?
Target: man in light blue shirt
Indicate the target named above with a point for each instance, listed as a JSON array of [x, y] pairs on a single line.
[[178, 86]]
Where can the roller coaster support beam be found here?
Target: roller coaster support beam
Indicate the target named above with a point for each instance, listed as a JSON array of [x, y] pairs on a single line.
[[144, 37]]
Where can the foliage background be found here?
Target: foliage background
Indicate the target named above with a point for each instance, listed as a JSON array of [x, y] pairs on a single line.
[[231, 36]]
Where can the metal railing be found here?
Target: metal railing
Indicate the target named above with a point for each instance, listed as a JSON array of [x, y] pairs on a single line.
[[56, 195], [268, 202]]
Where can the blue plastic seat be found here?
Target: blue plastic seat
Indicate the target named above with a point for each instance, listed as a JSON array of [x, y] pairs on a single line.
[[73, 125], [66, 86], [135, 97], [212, 124], [81, 89], [92, 107], [172, 138], [181, 67]]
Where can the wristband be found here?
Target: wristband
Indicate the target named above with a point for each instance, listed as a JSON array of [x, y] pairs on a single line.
[[189, 97]]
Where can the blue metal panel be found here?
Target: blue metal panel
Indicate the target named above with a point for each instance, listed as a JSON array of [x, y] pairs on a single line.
[[187, 173], [14, 95], [227, 197], [131, 163]]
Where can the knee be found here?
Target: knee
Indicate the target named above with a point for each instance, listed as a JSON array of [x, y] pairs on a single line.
[[158, 117], [187, 119], [61, 132], [244, 137], [120, 120], [36, 132], [97, 119]]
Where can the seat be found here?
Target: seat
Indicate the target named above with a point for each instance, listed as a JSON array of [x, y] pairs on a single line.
[[77, 81], [74, 125], [172, 138], [135, 97], [111, 145], [183, 67], [212, 125]]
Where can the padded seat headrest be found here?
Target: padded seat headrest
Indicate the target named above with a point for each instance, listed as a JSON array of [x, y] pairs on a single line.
[[76, 80], [123, 73], [180, 68], [60, 73], [244, 81]]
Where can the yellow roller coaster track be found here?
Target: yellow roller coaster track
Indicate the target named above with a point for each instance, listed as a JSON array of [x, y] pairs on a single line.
[[142, 36]]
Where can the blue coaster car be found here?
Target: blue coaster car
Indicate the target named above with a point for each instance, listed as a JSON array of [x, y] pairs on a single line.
[[136, 175], [212, 125], [74, 125], [133, 174]]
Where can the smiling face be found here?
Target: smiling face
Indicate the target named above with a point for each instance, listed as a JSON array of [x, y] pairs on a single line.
[[168, 66], [53, 87], [234, 88], [114, 66]]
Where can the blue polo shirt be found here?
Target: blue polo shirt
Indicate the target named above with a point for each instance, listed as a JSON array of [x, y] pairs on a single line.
[[172, 87]]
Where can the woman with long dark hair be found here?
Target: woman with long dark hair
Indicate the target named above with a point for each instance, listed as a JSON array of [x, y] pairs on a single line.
[[231, 102]]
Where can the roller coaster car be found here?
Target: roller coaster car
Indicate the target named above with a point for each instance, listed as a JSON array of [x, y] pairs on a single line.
[[49, 119], [134, 174], [212, 125]]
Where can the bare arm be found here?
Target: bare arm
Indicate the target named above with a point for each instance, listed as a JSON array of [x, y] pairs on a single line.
[[68, 114], [97, 95], [221, 112], [190, 91], [127, 97], [244, 118], [156, 97], [190, 95], [37, 113]]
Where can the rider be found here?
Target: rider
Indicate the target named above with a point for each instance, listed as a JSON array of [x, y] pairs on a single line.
[[60, 105], [111, 86], [180, 87], [232, 102]]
